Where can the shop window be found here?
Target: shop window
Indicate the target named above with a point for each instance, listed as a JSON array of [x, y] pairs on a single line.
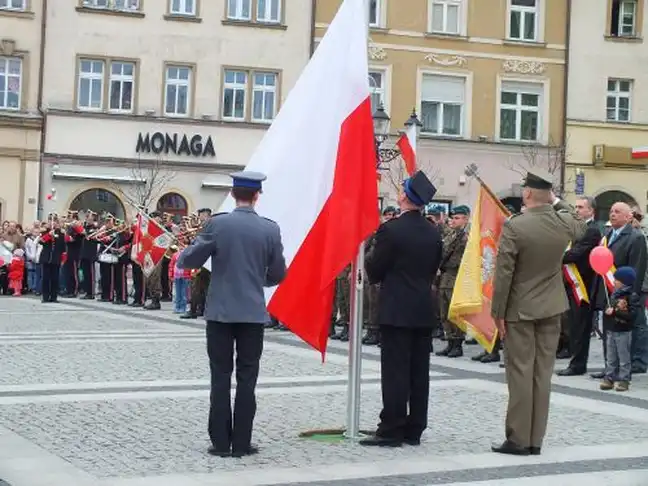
[[174, 204]]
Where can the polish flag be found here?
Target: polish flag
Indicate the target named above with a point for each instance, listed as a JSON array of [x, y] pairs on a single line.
[[407, 145], [640, 153], [320, 159]]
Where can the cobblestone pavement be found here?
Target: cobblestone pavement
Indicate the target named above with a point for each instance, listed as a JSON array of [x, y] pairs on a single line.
[[94, 394]]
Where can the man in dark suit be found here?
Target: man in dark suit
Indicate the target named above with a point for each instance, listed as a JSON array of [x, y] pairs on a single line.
[[628, 246], [581, 314], [404, 260]]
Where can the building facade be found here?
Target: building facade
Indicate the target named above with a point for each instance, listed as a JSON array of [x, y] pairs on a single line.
[[607, 110], [154, 103], [486, 78], [20, 119]]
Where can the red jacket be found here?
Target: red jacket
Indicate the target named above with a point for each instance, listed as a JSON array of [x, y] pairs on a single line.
[[17, 268]]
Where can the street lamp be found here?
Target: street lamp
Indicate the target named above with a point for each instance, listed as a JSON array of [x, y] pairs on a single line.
[[381, 122]]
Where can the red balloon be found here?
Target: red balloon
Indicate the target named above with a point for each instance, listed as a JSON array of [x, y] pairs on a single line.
[[601, 260], [49, 197]]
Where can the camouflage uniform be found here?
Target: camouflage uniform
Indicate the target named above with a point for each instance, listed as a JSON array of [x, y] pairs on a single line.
[[342, 303], [372, 296], [454, 246]]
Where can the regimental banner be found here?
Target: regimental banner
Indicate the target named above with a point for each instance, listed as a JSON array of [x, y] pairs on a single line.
[[150, 243], [470, 307]]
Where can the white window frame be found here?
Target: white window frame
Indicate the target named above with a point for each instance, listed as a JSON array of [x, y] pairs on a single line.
[[235, 87], [380, 12], [263, 89], [382, 90], [121, 79], [460, 4], [7, 5], [464, 122], [178, 82], [523, 10], [91, 76], [267, 19], [539, 88], [238, 14], [3, 102], [182, 10], [617, 94], [635, 7], [119, 5]]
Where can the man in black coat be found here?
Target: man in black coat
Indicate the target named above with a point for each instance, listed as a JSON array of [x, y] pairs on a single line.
[[404, 260], [581, 313], [628, 246]]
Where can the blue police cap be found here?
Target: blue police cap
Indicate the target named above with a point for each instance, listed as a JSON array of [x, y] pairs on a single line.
[[419, 189], [248, 180]]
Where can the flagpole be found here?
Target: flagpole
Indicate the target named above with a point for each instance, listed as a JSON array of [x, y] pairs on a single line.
[[355, 347]]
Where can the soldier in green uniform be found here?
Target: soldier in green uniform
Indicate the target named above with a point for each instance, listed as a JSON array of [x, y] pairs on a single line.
[[454, 246], [342, 303]]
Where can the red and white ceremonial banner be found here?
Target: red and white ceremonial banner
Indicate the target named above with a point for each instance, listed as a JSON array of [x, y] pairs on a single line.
[[640, 152], [407, 145], [150, 243], [320, 159]]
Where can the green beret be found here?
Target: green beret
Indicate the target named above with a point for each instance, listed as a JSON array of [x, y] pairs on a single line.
[[460, 210]]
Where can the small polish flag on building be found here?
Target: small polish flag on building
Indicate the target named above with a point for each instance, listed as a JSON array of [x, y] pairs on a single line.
[[407, 145], [320, 158], [640, 152]]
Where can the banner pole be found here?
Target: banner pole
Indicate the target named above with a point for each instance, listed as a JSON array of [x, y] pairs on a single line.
[[355, 346]]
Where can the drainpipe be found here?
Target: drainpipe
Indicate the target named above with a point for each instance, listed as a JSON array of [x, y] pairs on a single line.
[[41, 82], [565, 97], [312, 39]]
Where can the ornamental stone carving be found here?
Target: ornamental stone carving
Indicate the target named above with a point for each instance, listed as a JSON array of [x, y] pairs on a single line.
[[7, 47], [377, 53], [450, 61], [523, 67]]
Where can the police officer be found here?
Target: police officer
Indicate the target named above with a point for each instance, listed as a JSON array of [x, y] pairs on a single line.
[[246, 255]]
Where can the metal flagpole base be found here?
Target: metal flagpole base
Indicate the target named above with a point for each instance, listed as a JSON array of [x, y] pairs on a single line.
[[333, 435]]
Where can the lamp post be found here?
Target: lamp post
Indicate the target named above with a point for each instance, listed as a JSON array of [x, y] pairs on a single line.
[[382, 123]]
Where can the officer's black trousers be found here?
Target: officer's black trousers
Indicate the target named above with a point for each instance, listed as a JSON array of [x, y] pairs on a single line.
[[139, 285], [164, 279], [405, 381], [87, 285], [222, 338], [582, 320], [119, 279], [50, 282], [107, 283]]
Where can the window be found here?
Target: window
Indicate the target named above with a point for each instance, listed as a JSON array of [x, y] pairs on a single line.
[[618, 100], [177, 90], [235, 88], [90, 89], [239, 9], [13, 5], [377, 89], [261, 86], [374, 13], [127, 5], [523, 20], [122, 81], [269, 11], [183, 7], [444, 16], [264, 95], [623, 18], [442, 102], [520, 109], [10, 83]]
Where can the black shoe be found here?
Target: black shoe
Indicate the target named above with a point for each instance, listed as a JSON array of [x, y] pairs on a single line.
[[534, 451], [376, 441], [502, 365], [219, 452], [493, 357], [188, 315], [456, 351], [154, 305], [508, 447], [248, 451], [87, 297], [599, 375], [445, 351], [480, 356], [412, 441], [344, 335], [570, 372], [371, 338]]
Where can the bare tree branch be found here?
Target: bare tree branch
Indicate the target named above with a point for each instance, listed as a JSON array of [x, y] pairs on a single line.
[[396, 173]]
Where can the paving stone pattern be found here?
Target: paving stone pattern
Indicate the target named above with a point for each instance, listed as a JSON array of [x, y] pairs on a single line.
[[164, 436]]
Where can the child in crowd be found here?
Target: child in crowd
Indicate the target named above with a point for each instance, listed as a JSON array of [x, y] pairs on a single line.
[[181, 279], [619, 318], [17, 272]]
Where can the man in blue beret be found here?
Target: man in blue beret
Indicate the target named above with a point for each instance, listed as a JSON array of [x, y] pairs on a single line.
[[246, 255]]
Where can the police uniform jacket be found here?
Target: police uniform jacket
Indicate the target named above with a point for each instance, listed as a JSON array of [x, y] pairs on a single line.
[[53, 247], [246, 255], [404, 260], [528, 282]]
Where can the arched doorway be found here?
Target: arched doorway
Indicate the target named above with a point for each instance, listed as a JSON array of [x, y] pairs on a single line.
[[173, 203], [100, 201], [605, 200]]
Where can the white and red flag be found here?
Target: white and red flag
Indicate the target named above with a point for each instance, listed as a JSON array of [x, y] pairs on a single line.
[[407, 145], [320, 159], [640, 152], [150, 243]]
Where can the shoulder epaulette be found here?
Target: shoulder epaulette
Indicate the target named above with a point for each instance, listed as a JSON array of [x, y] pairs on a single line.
[[514, 216], [217, 214], [268, 219]]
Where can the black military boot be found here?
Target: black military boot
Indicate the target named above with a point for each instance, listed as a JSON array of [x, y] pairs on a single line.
[[153, 305], [445, 351], [457, 349], [371, 338], [344, 334], [493, 357], [480, 356]]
